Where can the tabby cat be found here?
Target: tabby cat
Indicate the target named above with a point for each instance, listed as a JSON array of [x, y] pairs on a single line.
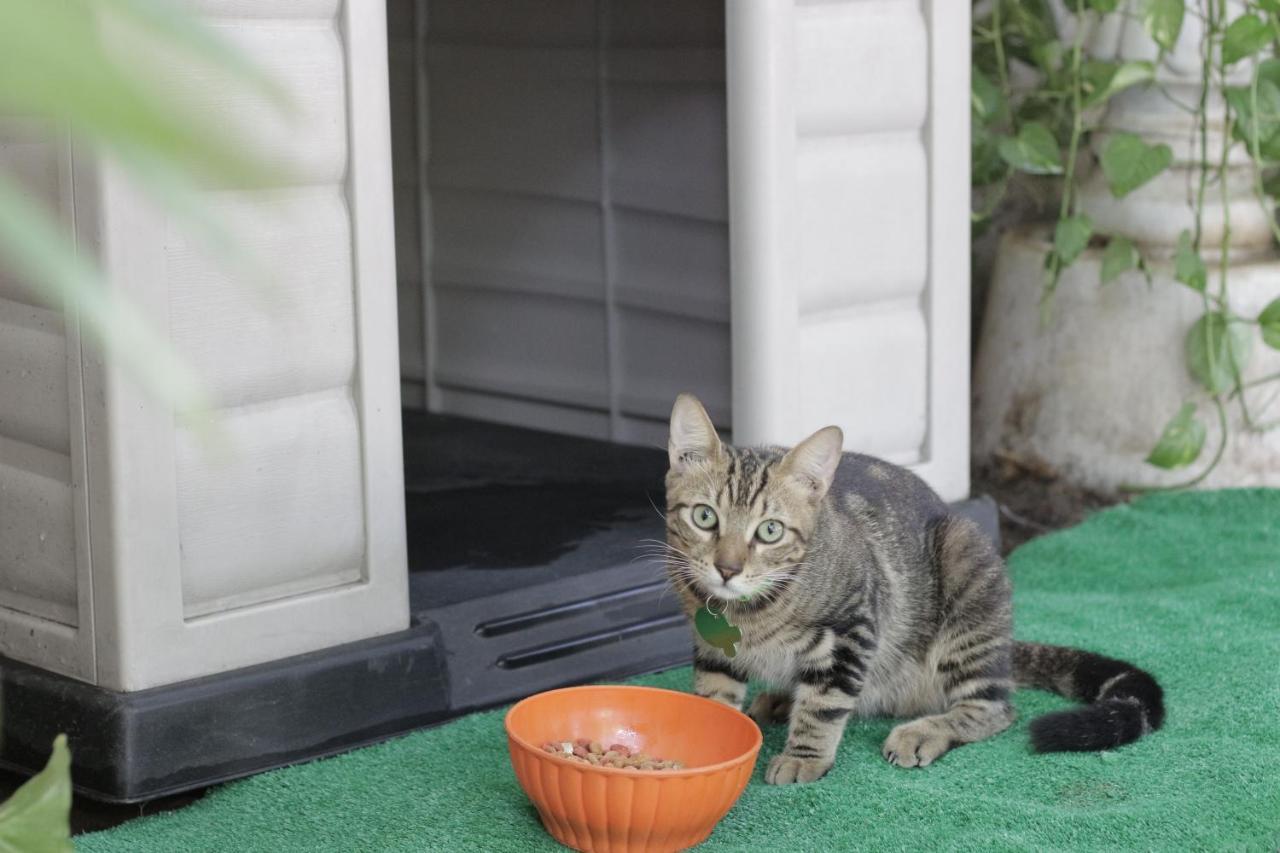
[[857, 591]]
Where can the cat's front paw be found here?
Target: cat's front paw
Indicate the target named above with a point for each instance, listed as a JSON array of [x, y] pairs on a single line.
[[785, 769], [770, 708], [915, 744]]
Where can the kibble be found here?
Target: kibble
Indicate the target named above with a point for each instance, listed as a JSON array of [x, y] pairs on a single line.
[[618, 755]]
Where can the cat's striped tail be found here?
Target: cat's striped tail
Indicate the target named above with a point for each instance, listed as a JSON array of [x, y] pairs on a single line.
[[1125, 702]]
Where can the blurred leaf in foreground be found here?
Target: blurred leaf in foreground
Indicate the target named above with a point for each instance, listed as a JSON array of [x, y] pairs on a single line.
[[104, 69], [36, 818], [33, 245]]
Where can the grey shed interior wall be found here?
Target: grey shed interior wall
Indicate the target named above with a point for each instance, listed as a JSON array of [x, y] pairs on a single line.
[[561, 210]]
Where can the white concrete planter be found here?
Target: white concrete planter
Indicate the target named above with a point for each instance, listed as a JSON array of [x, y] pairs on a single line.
[[1090, 394]]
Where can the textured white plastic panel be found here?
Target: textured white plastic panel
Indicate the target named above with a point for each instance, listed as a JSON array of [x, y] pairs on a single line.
[[867, 356], [297, 336], [679, 266], [881, 46], [537, 131], [402, 50], [864, 221], [289, 535], [277, 519], [561, 23], [575, 245], [700, 360], [848, 224], [37, 534], [33, 377], [29, 156], [289, 498], [517, 242], [486, 346], [305, 55], [666, 24], [539, 414], [46, 612], [301, 10], [668, 148]]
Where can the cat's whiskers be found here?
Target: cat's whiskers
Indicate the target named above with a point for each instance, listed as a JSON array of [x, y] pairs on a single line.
[[662, 515], [679, 564]]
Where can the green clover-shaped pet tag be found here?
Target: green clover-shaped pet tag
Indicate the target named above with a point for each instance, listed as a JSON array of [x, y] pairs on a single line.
[[716, 630]]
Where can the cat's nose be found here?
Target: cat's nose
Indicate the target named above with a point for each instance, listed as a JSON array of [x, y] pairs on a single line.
[[729, 570]]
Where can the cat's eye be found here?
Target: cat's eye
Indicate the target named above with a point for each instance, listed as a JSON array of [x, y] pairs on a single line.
[[704, 517], [770, 531]]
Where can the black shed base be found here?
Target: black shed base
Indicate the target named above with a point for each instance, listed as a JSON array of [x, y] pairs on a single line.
[[526, 574]]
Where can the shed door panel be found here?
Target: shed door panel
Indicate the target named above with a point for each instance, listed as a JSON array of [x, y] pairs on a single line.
[[849, 227]]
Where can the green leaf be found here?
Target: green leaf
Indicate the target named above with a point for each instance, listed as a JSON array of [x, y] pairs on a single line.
[[1100, 80], [1035, 19], [1048, 56], [1162, 19], [1034, 150], [202, 44], [54, 63], [36, 818], [1070, 237], [1104, 5], [1188, 267], [1120, 257], [1181, 441], [985, 97], [1128, 162], [1245, 36], [986, 166], [1269, 321], [1218, 350], [118, 74], [1258, 129]]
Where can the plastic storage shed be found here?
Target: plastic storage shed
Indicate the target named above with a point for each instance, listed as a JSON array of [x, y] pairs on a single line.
[[598, 203]]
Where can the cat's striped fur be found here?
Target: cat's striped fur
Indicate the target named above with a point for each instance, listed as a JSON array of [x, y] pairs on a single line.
[[876, 600]]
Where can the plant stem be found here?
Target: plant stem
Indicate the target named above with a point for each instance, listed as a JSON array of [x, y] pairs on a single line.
[[1054, 268], [1202, 116], [1224, 255], [1002, 66], [1211, 32], [1262, 380]]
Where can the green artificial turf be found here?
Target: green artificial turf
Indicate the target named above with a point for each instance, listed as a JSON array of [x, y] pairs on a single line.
[[1186, 585]]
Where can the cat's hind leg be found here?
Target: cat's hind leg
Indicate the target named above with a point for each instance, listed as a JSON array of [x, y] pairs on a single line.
[[770, 708], [921, 742], [971, 656]]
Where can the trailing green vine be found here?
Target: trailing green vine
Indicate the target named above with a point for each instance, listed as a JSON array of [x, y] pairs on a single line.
[[1044, 128]]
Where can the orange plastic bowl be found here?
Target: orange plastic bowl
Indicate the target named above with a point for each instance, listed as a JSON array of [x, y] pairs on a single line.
[[608, 810]]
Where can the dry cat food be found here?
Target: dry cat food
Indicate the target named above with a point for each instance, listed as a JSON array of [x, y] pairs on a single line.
[[617, 755]]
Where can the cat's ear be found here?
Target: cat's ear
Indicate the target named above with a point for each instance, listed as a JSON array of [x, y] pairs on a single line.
[[813, 461], [693, 437]]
